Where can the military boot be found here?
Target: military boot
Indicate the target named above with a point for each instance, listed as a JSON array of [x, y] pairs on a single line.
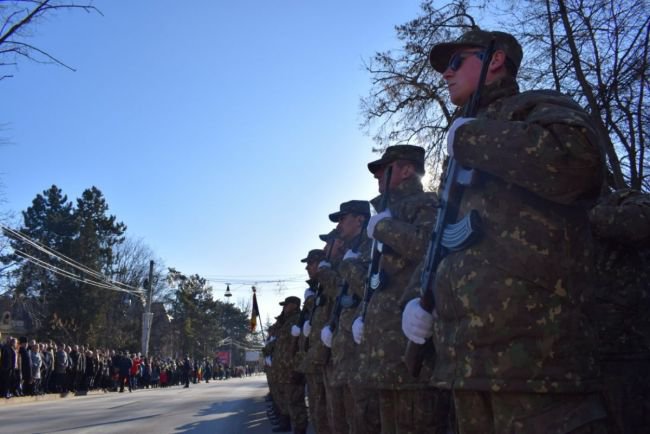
[[284, 424]]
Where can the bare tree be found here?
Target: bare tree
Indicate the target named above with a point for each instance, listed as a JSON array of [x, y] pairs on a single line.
[[18, 18], [596, 51], [408, 101]]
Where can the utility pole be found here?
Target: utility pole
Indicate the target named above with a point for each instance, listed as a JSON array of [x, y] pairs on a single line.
[[147, 316]]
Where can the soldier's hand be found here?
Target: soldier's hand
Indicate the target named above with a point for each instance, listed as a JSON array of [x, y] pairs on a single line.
[[350, 254], [308, 293], [326, 336], [451, 133], [357, 330], [267, 360], [372, 222], [295, 331], [306, 328], [417, 323]]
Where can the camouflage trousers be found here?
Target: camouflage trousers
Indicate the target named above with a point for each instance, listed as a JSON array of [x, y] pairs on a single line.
[[365, 416], [339, 407], [317, 403], [627, 383], [414, 411], [293, 397], [278, 403], [529, 413]]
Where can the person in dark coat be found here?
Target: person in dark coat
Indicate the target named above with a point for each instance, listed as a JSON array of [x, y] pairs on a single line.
[[187, 370], [26, 366], [125, 364]]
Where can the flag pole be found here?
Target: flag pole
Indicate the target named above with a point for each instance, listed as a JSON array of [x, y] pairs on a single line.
[[256, 311]]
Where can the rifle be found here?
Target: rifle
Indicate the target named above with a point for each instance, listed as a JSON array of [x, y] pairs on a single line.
[[448, 236], [301, 322], [319, 301], [375, 275], [342, 299]]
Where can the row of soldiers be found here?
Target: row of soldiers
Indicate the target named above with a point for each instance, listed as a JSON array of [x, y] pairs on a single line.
[[539, 324]]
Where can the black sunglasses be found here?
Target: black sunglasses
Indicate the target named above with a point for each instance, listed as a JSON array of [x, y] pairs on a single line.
[[456, 61]]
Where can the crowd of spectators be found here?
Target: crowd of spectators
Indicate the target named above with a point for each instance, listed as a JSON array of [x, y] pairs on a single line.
[[29, 368]]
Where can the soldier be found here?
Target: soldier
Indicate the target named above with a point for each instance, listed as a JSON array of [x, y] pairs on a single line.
[[621, 225], [291, 385], [510, 336], [351, 219], [364, 410], [406, 404], [309, 366], [267, 351]]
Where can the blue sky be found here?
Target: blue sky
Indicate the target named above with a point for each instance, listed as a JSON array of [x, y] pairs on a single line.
[[221, 133]]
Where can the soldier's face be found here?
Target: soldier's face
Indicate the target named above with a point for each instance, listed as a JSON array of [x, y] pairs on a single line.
[[462, 75], [349, 226], [312, 268], [379, 176], [288, 308], [401, 171]]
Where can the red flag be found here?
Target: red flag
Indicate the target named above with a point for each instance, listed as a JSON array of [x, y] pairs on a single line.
[[255, 313]]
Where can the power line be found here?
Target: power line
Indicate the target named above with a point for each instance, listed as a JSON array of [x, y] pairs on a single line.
[[69, 275], [104, 282]]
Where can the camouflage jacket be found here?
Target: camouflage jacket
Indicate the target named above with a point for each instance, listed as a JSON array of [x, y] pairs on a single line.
[[405, 237], [510, 306], [269, 349], [283, 362], [621, 224], [318, 353], [344, 359]]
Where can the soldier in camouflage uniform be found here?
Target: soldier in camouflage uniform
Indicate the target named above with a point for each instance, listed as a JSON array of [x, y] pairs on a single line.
[[406, 404], [309, 365], [291, 385], [621, 225], [345, 352], [328, 281], [350, 219], [511, 338], [275, 410]]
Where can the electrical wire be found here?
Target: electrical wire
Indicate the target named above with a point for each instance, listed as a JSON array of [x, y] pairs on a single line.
[[61, 257], [103, 282], [69, 275]]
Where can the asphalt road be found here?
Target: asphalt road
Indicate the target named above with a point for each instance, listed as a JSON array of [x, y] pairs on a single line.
[[232, 406]]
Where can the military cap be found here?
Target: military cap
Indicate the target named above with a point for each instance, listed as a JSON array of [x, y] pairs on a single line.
[[314, 255], [291, 299], [351, 207], [441, 53], [331, 235], [411, 153]]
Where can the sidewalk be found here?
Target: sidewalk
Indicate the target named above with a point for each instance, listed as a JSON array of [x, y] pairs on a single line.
[[49, 397]]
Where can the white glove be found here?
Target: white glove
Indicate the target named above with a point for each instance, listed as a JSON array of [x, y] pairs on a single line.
[[267, 360], [350, 254], [295, 331], [417, 323], [306, 328], [324, 264], [451, 133], [308, 293], [372, 222], [326, 336], [357, 330]]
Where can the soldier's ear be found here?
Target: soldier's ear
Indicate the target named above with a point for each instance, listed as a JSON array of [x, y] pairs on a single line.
[[498, 61]]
